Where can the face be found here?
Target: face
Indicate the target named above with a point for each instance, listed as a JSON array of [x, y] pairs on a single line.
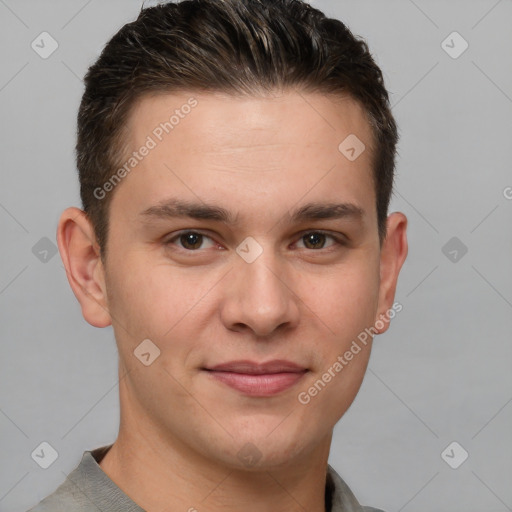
[[262, 268]]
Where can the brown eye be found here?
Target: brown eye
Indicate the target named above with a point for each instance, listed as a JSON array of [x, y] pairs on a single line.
[[316, 240], [190, 240]]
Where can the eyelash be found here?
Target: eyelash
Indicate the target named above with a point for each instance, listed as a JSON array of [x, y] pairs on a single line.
[[338, 240]]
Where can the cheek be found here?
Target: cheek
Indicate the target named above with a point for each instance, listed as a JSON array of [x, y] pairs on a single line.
[[141, 298], [155, 301], [345, 299], [345, 302]]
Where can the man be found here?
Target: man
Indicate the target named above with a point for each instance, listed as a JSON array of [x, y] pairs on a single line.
[[236, 162]]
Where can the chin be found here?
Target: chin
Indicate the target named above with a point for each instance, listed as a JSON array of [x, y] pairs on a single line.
[[263, 452]]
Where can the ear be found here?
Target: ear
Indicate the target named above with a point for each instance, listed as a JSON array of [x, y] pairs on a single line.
[[79, 251], [392, 256]]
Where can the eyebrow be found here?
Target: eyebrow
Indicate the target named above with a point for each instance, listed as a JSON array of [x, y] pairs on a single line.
[[176, 208]]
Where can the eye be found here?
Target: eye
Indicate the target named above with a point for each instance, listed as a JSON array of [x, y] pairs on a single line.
[[316, 240], [190, 240]]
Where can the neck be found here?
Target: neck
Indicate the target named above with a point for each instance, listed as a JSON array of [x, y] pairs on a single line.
[[164, 481], [160, 472]]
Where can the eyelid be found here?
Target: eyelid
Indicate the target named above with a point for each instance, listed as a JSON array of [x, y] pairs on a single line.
[[177, 235], [339, 238]]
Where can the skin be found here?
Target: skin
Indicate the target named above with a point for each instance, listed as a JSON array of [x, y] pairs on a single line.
[[260, 158]]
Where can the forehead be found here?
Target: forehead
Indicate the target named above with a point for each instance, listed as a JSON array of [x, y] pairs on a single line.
[[221, 118], [287, 145]]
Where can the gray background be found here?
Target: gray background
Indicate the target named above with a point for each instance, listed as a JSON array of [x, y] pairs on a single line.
[[442, 371]]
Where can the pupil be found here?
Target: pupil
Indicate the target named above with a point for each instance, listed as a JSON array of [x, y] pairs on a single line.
[[191, 239], [314, 238]]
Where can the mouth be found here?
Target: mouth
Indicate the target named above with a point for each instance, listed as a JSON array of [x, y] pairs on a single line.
[[257, 379]]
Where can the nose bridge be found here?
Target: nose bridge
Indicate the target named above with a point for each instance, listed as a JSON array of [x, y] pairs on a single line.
[[258, 297]]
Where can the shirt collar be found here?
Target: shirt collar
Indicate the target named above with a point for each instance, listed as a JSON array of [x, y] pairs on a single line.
[[342, 498]]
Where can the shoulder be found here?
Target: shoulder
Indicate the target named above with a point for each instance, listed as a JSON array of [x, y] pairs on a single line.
[[88, 489], [70, 496], [78, 492], [64, 499]]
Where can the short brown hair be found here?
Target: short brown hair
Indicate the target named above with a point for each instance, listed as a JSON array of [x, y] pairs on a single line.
[[231, 46]]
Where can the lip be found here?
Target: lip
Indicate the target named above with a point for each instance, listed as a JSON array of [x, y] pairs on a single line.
[[253, 368], [258, 379]]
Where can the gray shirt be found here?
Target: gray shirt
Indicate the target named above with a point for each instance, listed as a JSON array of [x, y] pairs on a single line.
[[88, 489]]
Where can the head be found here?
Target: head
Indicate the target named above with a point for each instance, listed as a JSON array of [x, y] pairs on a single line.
[[226, 218]]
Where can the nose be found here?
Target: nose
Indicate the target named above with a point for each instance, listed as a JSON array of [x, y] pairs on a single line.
[[260, 297]]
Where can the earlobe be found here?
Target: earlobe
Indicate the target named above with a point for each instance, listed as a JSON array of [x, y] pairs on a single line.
[[392, 256], [80, 255]]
